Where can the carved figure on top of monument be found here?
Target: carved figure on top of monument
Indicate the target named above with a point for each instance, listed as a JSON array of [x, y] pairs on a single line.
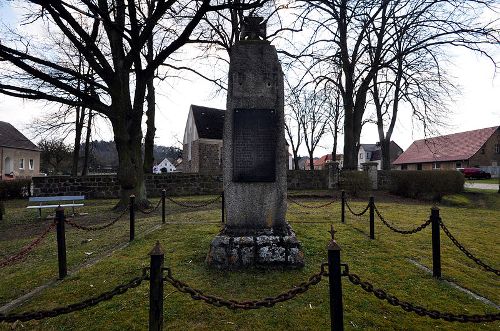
[[253, 28]]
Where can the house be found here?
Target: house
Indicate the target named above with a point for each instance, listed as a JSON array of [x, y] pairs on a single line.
[[476, 148], [322, 162], [20, 157], [373, 153], [202, 143], [164, 166]]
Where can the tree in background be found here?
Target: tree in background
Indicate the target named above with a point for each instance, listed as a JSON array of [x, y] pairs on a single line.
[[55, 157]]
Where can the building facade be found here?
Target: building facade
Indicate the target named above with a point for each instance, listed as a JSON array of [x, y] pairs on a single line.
[[373, 153]]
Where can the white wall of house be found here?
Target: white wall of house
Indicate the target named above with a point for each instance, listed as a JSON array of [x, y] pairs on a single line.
[[163, 164], [190, 134]]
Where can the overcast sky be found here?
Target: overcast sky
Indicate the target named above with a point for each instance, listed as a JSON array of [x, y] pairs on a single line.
[[477, 107]]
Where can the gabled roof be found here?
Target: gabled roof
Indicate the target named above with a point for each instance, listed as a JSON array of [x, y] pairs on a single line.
[[12, 138], [326, 158], [452, 147], [370, 147], [209, 121]]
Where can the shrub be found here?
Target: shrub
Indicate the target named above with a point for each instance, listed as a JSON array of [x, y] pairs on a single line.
[[17, 188], [426, 184], [353, 181]]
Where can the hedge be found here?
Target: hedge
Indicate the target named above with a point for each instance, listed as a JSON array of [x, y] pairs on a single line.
[[426, 183], [17, 188], [353, 181]]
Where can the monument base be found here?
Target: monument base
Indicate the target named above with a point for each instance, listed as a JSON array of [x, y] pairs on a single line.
[[261, 248]]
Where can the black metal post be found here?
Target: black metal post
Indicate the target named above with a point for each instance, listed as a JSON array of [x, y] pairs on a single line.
[[436, 242], [156, 288], [132, 217], [372, 218], [61, 243], [163, 195], [343, 206], [335, 279], [222, 208]]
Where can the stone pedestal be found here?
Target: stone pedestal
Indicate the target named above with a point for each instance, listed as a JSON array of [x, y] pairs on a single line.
[[371, 169], [255, 159]]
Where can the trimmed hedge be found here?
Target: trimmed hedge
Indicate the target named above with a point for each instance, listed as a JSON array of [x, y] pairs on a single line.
[[353, 181], [426, 183], [17, 188]]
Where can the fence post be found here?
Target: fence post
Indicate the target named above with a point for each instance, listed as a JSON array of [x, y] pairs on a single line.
[[61, 243], [436, 249], [222, 208], [343, 206], [163, 195], [334, 279], [132, 217], [156, 288], [372, 218]]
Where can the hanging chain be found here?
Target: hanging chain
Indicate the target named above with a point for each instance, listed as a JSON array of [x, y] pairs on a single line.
[[203, 204], [95, 228], [38, 315], [144, 211], [197, 294], [419, 310], [466, 252], [27, 249], [356, 214], [393, 228], [308, 206]]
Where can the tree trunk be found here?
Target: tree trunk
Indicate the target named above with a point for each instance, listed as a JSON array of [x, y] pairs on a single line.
[[311, 161], [295, 161], [149, 139], [80, 118], [385, 146], [85, 166]]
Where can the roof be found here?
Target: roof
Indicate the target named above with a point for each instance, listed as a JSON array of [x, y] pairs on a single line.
[[452, 147], [370, 147], [12, 138], [209, 121], [326, 158]]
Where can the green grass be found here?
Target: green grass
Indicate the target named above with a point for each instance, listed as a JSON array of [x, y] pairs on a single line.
[[483, 181], [383, 261]]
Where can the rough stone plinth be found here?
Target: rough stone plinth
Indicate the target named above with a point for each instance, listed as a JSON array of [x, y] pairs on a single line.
[[265, 248]]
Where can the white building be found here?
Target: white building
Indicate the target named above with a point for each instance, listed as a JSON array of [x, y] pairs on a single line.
[[165, 164]]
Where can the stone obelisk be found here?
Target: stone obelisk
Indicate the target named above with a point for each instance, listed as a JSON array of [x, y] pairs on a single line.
[[255, 159]]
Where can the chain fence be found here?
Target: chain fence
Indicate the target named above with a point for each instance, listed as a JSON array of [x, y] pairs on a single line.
[[353, 212], [42, 314], [419, 310], [200, 205], [197, 294], [147, 212], [310, 206], [466, 252], [393, 228], [27, 249], [96, 228]]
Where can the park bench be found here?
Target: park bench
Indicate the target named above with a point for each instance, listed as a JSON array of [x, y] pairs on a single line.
[[53, 202]]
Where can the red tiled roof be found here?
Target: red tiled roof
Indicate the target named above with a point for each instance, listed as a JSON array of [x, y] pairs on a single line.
[[325, 158], [457, 146]]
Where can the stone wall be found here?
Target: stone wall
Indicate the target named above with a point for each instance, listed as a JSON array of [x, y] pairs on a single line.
[[307, 180]]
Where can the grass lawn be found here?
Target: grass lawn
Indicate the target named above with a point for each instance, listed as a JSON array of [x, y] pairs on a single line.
[[483, 181], [383, 261]]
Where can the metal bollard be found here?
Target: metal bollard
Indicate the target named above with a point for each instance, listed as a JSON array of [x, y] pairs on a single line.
[[163, 195], [343, 206], [156, 288], [222, 208], [372, 218], [61, 243], [436, 243], [132, 217], [335, 282]]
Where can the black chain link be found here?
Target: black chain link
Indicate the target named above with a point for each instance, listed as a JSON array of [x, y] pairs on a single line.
[[354, 213], [419, 310], [147, 212], [27, 249], [95, 228], [393, 228], [466, 252], [42, 314], [310, 206], [197, 294], [203, 204]]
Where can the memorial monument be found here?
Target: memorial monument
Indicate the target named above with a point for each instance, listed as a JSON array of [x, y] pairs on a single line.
[[255, 159]]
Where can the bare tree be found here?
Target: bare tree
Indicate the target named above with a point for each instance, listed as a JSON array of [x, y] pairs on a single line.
[[293, 123], [117, 60]]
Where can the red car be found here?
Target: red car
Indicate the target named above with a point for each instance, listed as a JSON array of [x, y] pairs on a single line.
[[474, 173]]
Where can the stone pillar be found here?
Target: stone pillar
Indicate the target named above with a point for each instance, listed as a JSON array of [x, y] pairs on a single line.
[[255, 160], [371, 169], [333, 175]]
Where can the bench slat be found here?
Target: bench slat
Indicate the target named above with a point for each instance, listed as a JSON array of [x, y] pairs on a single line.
[[55, 206], [57, 198]]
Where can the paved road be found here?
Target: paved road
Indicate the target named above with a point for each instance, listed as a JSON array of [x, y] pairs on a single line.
[[481, 186]]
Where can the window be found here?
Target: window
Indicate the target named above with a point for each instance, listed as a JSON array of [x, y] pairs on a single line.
[[367, 156], [436, 165], [458, 165], [482, 150], [497, 148], [419, 166], [31, 164], [361, 156], [404, 167], [21, 163]]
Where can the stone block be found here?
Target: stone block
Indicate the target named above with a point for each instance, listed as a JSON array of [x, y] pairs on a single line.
[[271, 254]]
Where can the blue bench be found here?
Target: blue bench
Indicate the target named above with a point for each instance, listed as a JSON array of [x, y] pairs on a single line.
[[41, 202]]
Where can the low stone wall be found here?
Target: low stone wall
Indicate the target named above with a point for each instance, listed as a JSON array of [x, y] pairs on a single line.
[[307, 179], [384, 179]]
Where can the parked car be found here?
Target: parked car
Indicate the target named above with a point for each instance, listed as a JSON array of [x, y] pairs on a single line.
[[474, 173]]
